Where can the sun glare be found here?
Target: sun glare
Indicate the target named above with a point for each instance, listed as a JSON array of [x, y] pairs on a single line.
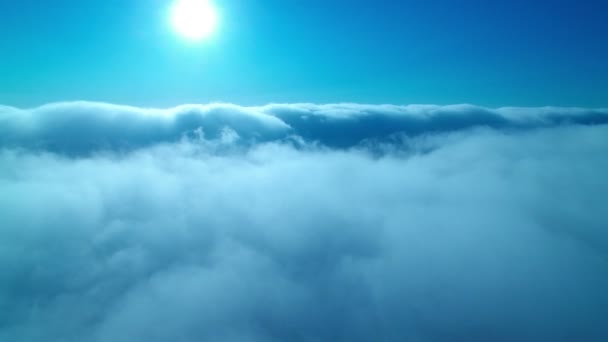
[[194, 19]]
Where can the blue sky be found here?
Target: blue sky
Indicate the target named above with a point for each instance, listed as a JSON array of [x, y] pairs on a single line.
[[493, 53]]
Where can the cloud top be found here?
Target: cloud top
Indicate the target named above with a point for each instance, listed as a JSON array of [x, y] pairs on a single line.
[[303, 223], [83, 127]]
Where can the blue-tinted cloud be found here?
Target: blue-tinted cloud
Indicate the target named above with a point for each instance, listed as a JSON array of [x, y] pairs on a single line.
[[490, 226], [82, 127]]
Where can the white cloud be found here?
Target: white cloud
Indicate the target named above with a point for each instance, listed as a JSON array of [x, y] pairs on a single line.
[[80, 128], [489, 226]]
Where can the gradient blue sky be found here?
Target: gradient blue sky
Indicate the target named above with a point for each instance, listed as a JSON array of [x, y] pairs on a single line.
[[493, 53]]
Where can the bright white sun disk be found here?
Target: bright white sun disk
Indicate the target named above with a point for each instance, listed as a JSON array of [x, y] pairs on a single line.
[[194, 19]]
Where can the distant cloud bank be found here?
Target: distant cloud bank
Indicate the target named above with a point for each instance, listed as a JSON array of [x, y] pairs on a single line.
[[84, 127], [303, 222]]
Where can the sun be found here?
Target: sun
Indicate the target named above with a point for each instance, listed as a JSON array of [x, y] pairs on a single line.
[[194, 20]]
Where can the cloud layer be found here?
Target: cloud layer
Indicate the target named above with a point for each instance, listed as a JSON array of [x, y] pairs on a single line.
[[303, 223], [79, 128]]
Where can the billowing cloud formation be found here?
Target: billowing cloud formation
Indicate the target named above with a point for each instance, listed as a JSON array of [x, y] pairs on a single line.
[[284, 223], [81, 127]]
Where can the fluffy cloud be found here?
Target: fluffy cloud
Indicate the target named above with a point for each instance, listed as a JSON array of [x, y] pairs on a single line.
[[284, 223], [82, 128]]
